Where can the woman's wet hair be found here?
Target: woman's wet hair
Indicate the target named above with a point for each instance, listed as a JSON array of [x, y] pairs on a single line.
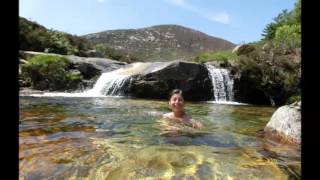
[[175, 91]]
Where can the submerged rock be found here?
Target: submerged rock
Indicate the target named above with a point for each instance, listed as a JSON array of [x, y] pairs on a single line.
[[285, 124]]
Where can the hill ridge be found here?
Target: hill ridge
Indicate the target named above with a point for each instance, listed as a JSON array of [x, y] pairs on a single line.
[[163, 42]]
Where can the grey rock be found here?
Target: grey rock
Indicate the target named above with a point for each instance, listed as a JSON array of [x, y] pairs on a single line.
[[243, 49], [101, 64], [91, 67], [286, 123], [22, 61]]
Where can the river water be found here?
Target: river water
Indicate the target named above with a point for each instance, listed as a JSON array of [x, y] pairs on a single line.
[[119, 138]]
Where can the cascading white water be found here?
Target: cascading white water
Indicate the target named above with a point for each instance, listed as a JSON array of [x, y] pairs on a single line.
[[222, 83], [111, 83], [108, 84]]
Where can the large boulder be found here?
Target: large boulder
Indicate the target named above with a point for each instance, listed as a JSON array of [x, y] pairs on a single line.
[[246, 91], [157, 79], [285, 124], [243, 49], [91, 67]]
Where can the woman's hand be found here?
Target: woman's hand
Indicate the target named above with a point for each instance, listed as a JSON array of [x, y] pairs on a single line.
[[197, 125]]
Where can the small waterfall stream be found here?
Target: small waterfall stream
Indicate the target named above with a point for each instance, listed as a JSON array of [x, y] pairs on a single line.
[[222, 84]]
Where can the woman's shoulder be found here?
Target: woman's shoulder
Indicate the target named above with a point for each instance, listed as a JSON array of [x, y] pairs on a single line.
[[167, 115]]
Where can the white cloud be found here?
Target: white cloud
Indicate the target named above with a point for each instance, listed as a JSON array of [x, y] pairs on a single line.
[[220, 17], [100, 1], [178, 2]]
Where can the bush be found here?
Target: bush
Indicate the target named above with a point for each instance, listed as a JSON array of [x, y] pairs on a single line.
[[50, 72], [273, 71], [215, 56], [293, 99], [289, 35]]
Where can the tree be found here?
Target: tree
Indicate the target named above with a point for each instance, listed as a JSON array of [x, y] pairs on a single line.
[[289, 36], [292, 17], [297, 12]]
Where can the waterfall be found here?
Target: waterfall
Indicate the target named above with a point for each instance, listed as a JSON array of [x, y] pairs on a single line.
[[109, 83], [113, 83], [222, 83]]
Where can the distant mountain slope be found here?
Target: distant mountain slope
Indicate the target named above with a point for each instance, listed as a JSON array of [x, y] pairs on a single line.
[[160, 43]]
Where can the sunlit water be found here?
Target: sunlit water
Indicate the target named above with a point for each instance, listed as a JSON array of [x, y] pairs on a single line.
[[118, 138]]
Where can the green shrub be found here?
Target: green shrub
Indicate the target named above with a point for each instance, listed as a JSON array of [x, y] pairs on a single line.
[[273, 71], [215, 56], [289, 35], [293, 99], [49, 72]]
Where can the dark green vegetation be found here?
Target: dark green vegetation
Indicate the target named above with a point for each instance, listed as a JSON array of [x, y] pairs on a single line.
[[275, 64], [286, 28], [273, 70], [49, 72], [34, 37]]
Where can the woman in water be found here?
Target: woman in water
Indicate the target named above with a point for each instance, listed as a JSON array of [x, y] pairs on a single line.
[[178, 115]]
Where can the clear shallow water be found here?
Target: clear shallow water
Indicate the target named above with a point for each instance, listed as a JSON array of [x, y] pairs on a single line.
[[118, 138]]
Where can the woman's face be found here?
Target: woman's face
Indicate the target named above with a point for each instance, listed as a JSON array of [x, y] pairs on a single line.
[[176, 102]]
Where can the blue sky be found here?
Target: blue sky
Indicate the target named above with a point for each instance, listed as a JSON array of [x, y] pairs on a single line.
[[233, 20]]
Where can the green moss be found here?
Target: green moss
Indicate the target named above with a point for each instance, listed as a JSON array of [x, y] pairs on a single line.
[[293, 99], [215, 56]]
